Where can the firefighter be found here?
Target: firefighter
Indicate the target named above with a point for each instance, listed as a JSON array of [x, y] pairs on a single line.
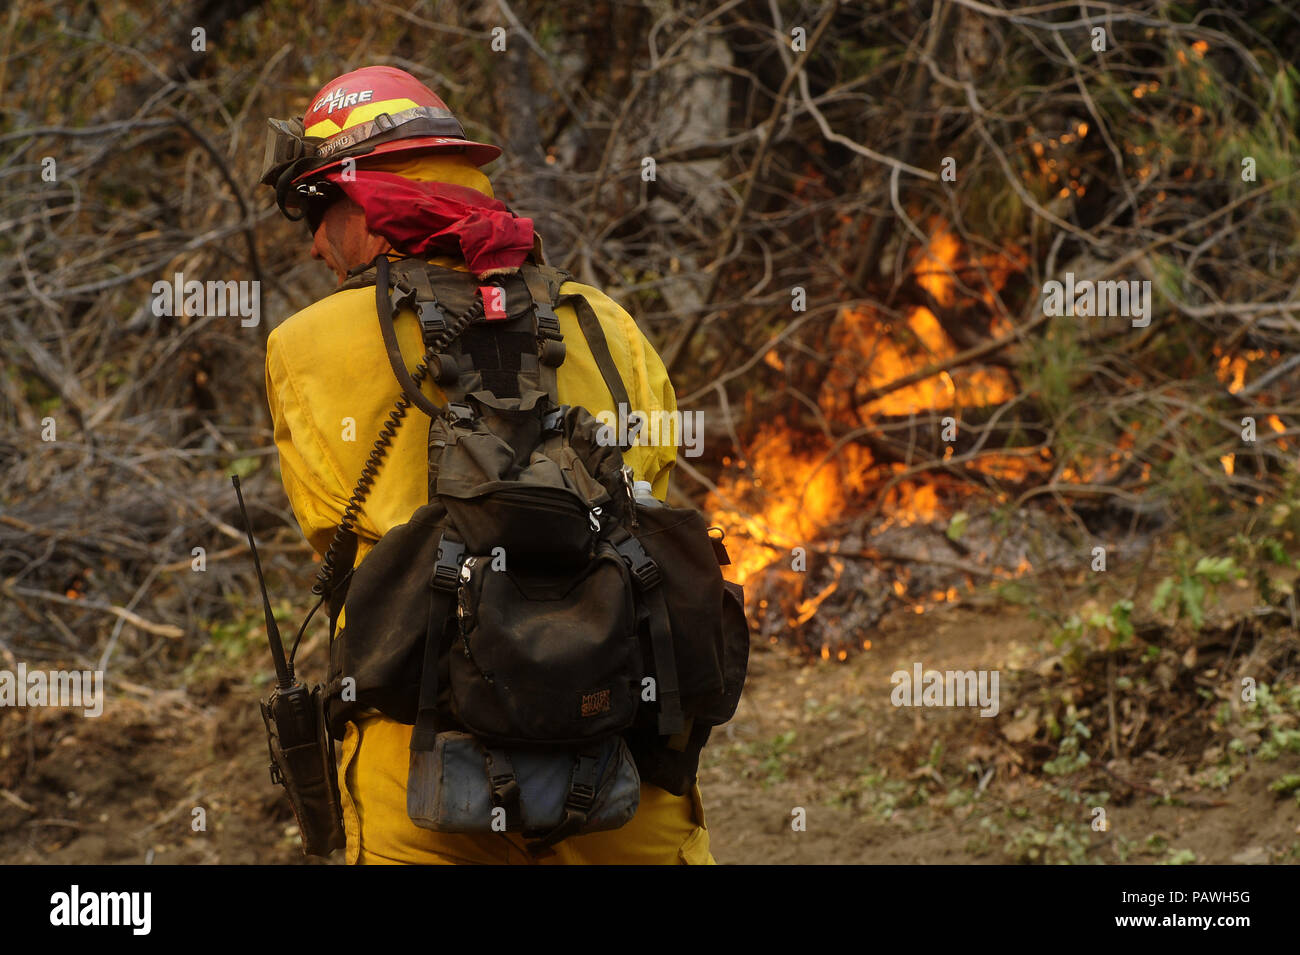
[[330, 386]]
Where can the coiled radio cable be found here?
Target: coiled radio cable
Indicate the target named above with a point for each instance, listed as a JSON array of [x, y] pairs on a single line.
[[388, 432]]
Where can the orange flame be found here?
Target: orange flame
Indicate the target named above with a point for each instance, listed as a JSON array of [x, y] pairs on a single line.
[[790, 488]]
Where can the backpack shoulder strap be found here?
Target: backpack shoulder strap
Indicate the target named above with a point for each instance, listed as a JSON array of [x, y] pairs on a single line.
[[360, 277], [544, 289], [594, 332], [384, 307]]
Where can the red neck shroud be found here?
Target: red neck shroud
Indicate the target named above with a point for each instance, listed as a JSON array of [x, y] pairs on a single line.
[[425, 218]]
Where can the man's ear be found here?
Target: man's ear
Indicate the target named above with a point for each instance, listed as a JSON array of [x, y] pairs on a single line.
[[340, 236]]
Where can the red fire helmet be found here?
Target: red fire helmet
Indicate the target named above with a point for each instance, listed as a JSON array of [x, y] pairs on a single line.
[[386, 107]]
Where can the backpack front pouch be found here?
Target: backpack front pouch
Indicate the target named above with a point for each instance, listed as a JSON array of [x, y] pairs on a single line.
[[545, 655]]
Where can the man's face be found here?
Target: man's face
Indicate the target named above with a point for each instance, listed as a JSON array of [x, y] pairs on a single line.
[[342, 241]]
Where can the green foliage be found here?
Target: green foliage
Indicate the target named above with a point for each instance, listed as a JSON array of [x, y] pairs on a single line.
[[1274, 714], [1052, 370], [1264, 729], [769, 760], [1267, 551], [1191, 587], [245, 466], [873, 791], [238, 637], [853, 61], [1288, 784], [1085, 631], [1064, 844], [1070, 756], [1169, 277]]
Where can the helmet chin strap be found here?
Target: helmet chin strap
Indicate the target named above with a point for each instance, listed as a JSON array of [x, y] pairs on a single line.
[[284, 185]]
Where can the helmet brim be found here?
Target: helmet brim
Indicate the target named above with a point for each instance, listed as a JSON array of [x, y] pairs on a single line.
[[480, 154]]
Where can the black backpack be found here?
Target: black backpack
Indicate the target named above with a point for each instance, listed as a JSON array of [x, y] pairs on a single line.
[[553, 638]]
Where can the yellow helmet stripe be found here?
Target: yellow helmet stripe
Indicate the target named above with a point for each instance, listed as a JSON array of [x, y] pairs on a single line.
[[361, 113]]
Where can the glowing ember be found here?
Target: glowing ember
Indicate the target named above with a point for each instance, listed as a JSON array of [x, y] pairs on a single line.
[[907, 503], [1234, 368], [935, 272], [807, 608]]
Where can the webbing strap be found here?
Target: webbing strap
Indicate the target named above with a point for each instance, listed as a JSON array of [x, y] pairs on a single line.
[[504, 785], [671, 720], [583, 782], [426, 722], [595, 335], [442, 587], [419, 279], [424, 302], [546, 326], [384, 306], [649, 581]]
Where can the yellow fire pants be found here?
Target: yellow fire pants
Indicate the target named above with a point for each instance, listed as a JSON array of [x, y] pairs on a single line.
[[666, 829]]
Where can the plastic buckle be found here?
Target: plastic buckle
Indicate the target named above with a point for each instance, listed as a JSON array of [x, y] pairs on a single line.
[[582, 794], [580, 798], [644, 570], [647, 575], [553, 420], [433, 324], [446, 572], [460, 412], [548, 323], [505, 789], [403, 297], [444, 578]]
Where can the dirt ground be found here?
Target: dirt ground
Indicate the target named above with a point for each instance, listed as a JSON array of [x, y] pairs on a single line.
[[906, 785], [877, 783]]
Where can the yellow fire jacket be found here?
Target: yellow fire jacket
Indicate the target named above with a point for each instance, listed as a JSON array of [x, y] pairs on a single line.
[[330, 388]]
